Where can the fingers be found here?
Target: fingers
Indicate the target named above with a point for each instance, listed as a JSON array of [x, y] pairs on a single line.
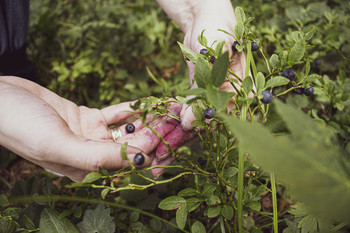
[[116, 113], [88, 155], [156, 172], [175, 138], [146, 139]]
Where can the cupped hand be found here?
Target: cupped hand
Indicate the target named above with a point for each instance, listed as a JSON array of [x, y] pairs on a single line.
[[57, 134]]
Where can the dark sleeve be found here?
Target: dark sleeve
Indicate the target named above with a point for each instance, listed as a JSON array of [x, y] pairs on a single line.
[[14, 22]]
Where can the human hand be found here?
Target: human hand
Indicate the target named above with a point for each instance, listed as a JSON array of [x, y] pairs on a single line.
[[56, 134]]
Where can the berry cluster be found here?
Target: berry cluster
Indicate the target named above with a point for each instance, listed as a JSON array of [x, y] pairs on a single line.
[[306, 91], [254, 46]]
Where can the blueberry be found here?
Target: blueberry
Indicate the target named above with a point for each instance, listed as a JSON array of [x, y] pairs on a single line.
[[299, 90], [203, 51], [212, 59], [234, 45], [309, 91], [267, 97], [139, 159], [130, 128], [288, 73], [209, 113], [254, 46], [317, 62]]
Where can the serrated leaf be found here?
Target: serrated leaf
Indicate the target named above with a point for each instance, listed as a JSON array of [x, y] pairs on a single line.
[[171, 203], [97, 220], [202, 73], [274, 60], [308, 224], [276, 81], [227, 212], [310, 33], [181, 216], [247, 84], [187, 192], [312, 77], [208, 189], [305, 160], [198, 227], [260, 81], [213, 211], [239, 30], [51, 223], [91, 177], [297, 52], [218, 98], [192, 56], [240, 15], [219, 70]]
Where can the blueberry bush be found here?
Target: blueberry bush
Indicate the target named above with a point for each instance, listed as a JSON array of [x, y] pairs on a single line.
[[277, 162]]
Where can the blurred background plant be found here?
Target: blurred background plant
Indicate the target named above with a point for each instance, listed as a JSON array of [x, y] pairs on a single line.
[[99, 53]]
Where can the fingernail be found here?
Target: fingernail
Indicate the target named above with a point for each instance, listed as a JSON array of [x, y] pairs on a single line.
[[139, 159], [130, 128]]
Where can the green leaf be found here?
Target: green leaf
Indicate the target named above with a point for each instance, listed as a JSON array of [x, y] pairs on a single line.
[[276, 81], [188, 192], [239, 30], [260, 81], [247, 84], [240, 15], [171, 203], [212, 199], [123, 151], [91, 177], [193, 203], [104, 193], [181, 216], [208, 189], [97, 220], [213, 211], [188, 53], [28, 222], [218, 98], [7, 225], [306, 160], [193, 91], [308, 224], [227, 212], [274, 60], [219, 70], [201, 39], [230, 172], [219, 47], [310, 33], [3, 200], [297, 36], [51, 223], [254, 205], [198, 227], [312, 77], [297, 52], [202, 72]]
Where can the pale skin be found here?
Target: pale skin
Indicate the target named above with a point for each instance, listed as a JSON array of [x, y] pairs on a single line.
[[73, 140]]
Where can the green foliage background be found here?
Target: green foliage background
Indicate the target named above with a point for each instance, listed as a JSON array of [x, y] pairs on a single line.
[[100, 52]]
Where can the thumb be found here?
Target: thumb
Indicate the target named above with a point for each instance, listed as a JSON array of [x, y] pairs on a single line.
[[89, 155]]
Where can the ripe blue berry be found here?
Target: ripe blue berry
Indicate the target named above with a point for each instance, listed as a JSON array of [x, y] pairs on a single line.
[[299, 90], [309, 91], [288, 73], [212, 59], [234, 45], [203, 51], [209, 113], [267, 97], [139, 159], [130, 128], [254, 46]]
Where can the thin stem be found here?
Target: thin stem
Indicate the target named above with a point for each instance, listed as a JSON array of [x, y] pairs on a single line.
[[274, 202], [240, 190]]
